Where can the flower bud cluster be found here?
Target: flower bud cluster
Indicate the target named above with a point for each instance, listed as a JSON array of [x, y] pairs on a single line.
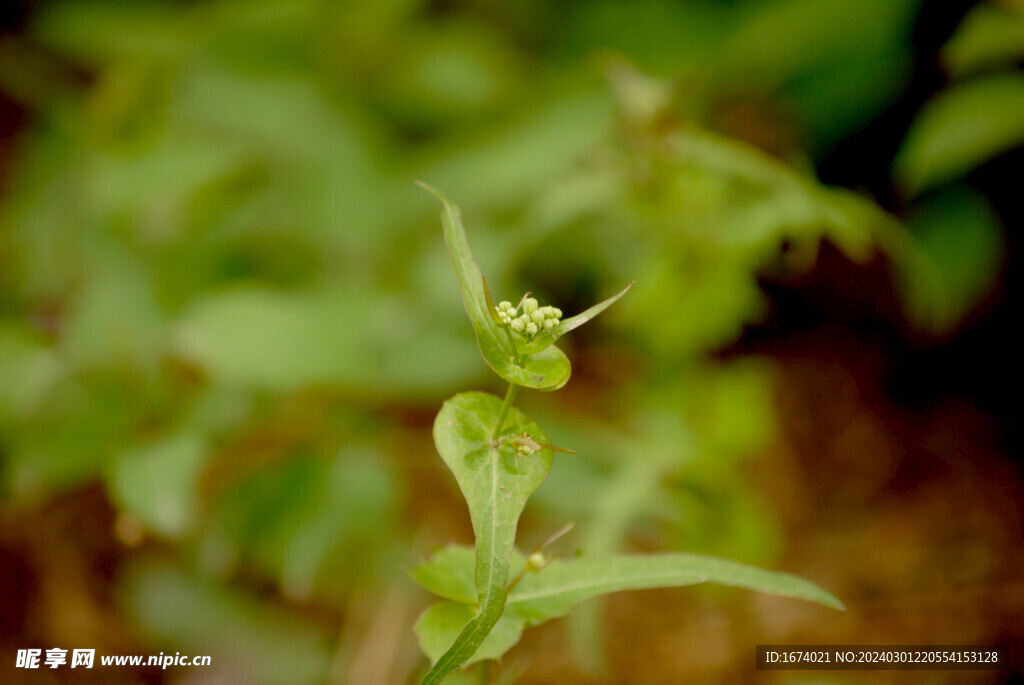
[[533, 318]]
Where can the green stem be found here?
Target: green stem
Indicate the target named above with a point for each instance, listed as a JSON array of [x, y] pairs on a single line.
[[510, 397]]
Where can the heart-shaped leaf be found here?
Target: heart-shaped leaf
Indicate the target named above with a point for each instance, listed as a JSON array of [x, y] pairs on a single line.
[[496, 484], [548, 369]]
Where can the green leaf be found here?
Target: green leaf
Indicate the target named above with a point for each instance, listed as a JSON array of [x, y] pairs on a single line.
[[28, 369], [496, 486], [962, 246], [546, 338], [834, 65], [278, 341], [101, 32], [507, 163], [779, 43], [554, 590], [114, 320], [442, 622], [563, 584], [262, 643], [547, 370], [157, 482], [70, 435], [988, 36], [961, 128], [310, 522], [449, 573]]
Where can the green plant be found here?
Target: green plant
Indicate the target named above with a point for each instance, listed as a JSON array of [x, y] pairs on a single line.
[[499, 457]]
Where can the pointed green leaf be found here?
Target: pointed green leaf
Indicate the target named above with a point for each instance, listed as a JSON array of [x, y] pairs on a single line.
[[491, 308], [554, 590], [548, 370], [962, 127], [496, 486], [546, 338], [988, 36], [565, 583]]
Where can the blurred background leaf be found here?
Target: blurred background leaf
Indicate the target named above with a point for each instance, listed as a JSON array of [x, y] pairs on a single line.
[[961, 128], [990, 35]]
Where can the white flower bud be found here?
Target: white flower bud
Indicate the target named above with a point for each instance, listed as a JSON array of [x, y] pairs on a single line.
[[531, 328], [537, 317], [529, 305]]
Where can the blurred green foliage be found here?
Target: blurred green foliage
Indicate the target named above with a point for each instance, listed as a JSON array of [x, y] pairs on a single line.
[[223, 298]]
